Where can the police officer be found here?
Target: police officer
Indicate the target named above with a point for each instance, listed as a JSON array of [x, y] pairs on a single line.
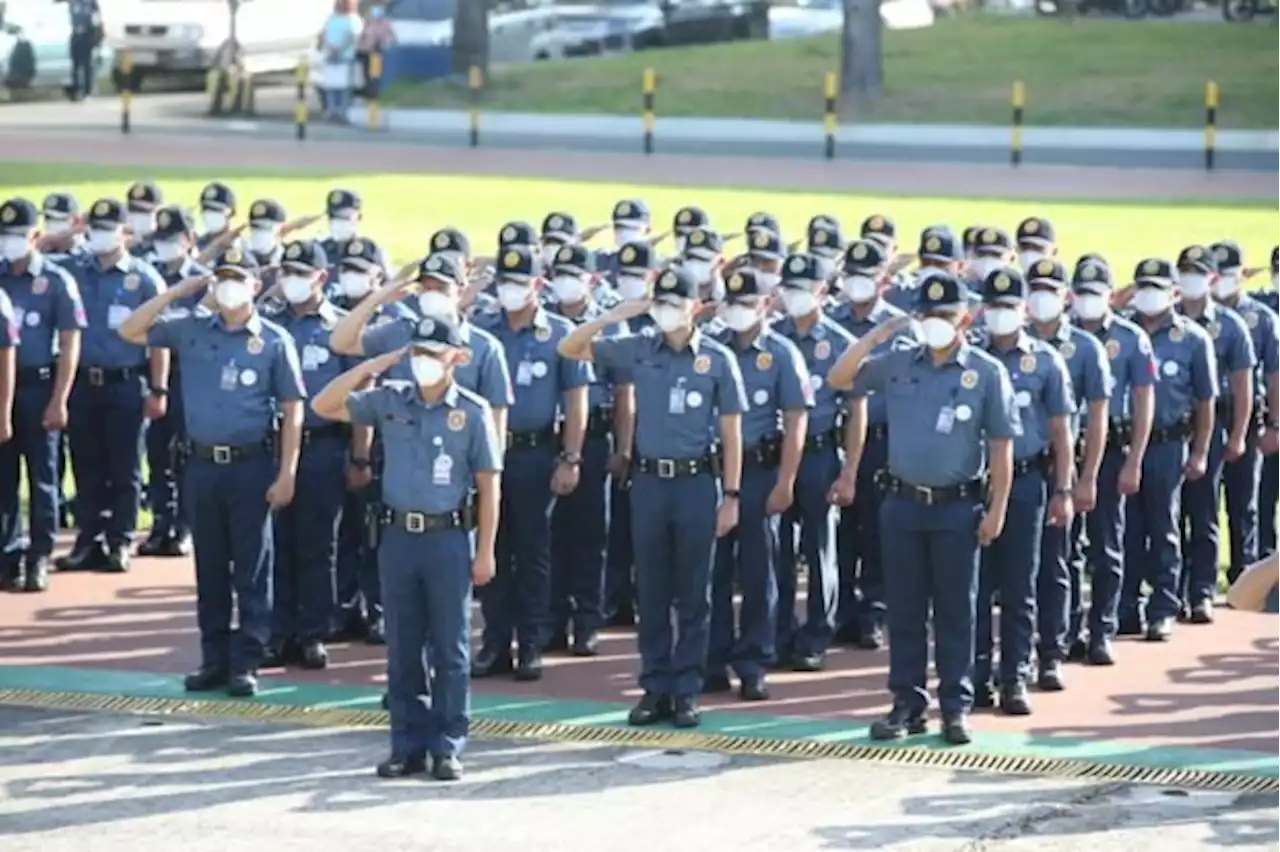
[[765, 254], [631, 223], [821, 476], [685, 382], [243, 393], [266, 222], [860, 612], [883, 230], [777, 385], [111, 397], [481, 295], [546, 429], [1058, 616], [938, 252], [143, 200], [345, 211], [1233, 421], [1035, 240], [172, 249], [1241, 477], [762, 221], [61, 233], [1130, 409], [86, 35], [46, 317], [1269, 489], [1184, 408], [1043, 463], [440, 444], [217, 209], [558, 229], [683, 222], [823, 241], [8, 369], [951, 410], [701, 256], [992, 249]]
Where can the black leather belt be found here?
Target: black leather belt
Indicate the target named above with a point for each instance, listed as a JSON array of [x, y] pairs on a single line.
[[890, 484], [99, 376], [36, 375], [227, 453], [532, 438], [1119, 434], [878, 432], [1037, 464], [822, 440], [672, 468], [767, 453], [1179, 431], [423, 522], [600, 422], [327, 431]]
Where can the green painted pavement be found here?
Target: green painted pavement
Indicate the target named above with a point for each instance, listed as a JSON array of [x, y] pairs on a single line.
[[509, 708]]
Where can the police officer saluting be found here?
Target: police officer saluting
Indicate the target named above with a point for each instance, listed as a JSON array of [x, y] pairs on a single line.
[[143, 200], [217, 207], [243, 394], [440, 444], [47, 316], [952, 414], [684, 383]]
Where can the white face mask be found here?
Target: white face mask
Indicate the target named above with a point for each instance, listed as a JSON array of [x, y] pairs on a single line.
[[1152, 301], [296, 288], [342, 229], [699, 269], [355, 285], [937, 332], [214, 221], [1044, 306], [103, 241], [799, 303], [767, 282], [513, 297], [623, 234], [1027, 259], [141, 224], [858, 288], [1225, 287], [631, 288], [437, 304], [1002, 321], [984, 266], [1194, 285], [167, 250], [57, 227], [667, 317], [14, 248], [549, 253], [569, 289], [1089, 306], [262, 240], [739, 317], [679, 243], [427, 371], [233, 294]]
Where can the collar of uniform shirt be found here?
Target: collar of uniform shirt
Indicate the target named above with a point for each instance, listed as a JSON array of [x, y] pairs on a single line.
[[692, 344], [253, 325], [123, 263], [1207, 315], [960, 355], [413, 396], [1021, 344], [537, 321], [35, 265]]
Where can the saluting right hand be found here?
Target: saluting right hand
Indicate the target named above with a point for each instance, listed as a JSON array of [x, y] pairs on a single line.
[[384, 362], [188, 286], [628, 310]]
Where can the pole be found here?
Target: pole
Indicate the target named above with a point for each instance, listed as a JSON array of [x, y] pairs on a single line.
[[648, 85], [1210, 124], [830, 90], [1019, 104], [475, 83]]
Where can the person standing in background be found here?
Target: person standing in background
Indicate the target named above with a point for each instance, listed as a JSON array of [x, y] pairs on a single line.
[[376, 37], [337, 46]]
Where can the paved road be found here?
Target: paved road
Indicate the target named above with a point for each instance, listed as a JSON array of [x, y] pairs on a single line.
[[69, 782]]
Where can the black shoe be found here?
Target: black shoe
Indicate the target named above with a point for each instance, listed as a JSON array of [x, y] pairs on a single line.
[[155, 545], [955, 730], [984, 696], [1160, 630], [36, 574], [529, 665], [847, 634], [1201, 613], [649, 709], [1130, 625], [446, 767], [1014, 700], [1101, 653], [172, 546], [808, 662], [586, 643], [205, 679], [558, 642], [491, 661], [352, 626], [1078, 652], [12, 576], [624, 617], [753, 689], [386, 701], [312, 655], [242, 685], [714, 683], [117, 561], [1050, 677], [900, 723], [401, 767], [872, 639], [376, 633], [87, 558], [686, 713], [280, 653]]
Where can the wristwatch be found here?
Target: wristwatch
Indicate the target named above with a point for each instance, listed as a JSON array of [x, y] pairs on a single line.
[[569, 458], [732, 493], [159, 392], [1065, 491], [361, 464]]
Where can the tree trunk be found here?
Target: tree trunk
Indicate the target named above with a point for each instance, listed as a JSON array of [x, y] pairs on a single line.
[[471, 36], [861, 51]]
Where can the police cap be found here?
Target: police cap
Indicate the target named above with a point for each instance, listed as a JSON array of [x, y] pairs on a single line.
[[637, 257], [688, 218], [801, 271], [742, 284], [361, 254], [341, 201], [1002, 286], [441, 266], [516, 263], [969, 236], [1228, 254], [18, 216], [824, 239], [305, 256], [143, 197], [1035, 231], [877, 224], [450, 240], [235, 263], [59, 205], [434, 332], [864, 256], [763, 219], [1155, 271], [107, 212], [173, 221], [1047, 271], [267, 211], [675, 282], [631, 211], [574, 259], [764, 244], [217, 196], [517, 234], [1090, 276], [1197, 259], [991, 242], [559, 227], [702, 244], [822, 220], [941, 289], [938, 244]]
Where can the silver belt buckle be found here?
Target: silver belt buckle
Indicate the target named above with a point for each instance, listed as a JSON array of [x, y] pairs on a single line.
[[415, 522], [222, 455], [666, 469], [96, 376], [928, 494]]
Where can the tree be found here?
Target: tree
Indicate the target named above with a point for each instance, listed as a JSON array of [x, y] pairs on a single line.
[[470, 36], [861, 51]]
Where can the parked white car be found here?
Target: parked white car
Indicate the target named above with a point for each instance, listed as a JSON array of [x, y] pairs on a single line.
[[35, 45], [814, 17]]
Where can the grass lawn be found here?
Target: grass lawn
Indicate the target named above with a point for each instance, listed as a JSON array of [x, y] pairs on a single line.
[[1089, 73]]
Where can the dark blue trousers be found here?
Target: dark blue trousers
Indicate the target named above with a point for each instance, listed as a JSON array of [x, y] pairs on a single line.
[[1198, 526], [517, 601], [816, 519], [1104, 532], [1152, 536], [619, 583], [165, 438], [934, 554], [579, 525], [105, 427], [38, 448], [358, 590], [1059, 608], [306, 543], [1010, 566], [1268, 501], [674, 526], [1242, 479], [745, 559], [861, 598], [427, 578], [234, 551]]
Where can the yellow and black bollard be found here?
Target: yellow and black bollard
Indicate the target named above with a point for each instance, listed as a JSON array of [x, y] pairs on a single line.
[[1210, 123], [214, 85], [475, 86], [371, 87], [247, 106], [126, 92], [648, 86], [830, 91], [300, 108], [1019, 99]]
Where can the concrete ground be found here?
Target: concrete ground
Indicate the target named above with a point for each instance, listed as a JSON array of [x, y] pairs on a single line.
[[70, 781]]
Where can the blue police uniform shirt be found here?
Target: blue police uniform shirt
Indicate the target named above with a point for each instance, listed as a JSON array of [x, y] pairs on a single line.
[[679, 394], [881, 312], [433, 450], [179, 272], [1087, 366], [1133, 363], [941, 416], [143, 249], [11, 336], [44, 300], [232, 379], [482, 371], [1270, 297], [603, 381], [1187, 368], [821, 346], [541, 375], [1262, 324], [774, 379], [320, 364], [110, 295], [82, 14], [1232, 347], [902, 292], [1041, 389], [78, 247]]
